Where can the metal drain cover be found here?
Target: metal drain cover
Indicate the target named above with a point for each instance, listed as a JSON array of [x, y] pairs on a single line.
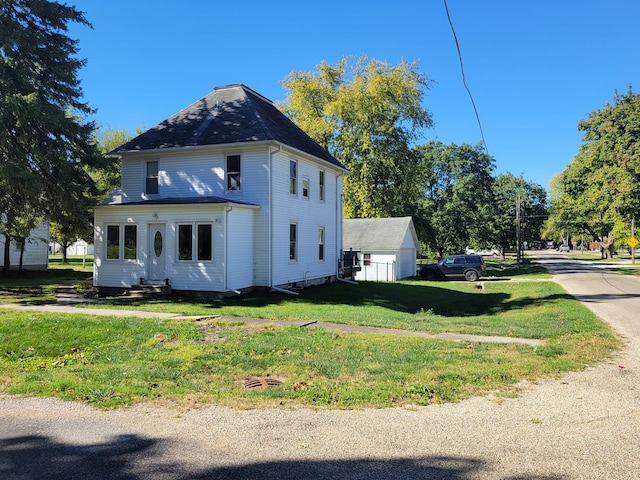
[[261, 382]]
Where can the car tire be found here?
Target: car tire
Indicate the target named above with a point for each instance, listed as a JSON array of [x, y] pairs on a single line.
[[471, 275], [430, 275]]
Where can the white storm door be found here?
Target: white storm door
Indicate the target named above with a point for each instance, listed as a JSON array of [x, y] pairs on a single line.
[[157, 249]]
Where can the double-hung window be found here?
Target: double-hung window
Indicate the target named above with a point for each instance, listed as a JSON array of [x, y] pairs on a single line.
[[321, 186], [293, 177], [122, 242], [293, 242], [233, 172], [305, 187], [321, 243], [151, 186], [195, 242]]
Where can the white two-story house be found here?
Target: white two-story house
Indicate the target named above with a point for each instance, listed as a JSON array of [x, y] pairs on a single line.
[[224, 196]]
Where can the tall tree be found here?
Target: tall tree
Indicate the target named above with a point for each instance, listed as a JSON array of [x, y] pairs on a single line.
[[367, 114], [458, 191], [509, 190], [600, 189], [43, 141]]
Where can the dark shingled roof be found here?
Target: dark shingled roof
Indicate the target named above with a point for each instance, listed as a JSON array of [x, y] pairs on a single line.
[[230, 114]]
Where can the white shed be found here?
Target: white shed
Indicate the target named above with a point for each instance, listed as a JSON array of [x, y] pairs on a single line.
[[387, 247]]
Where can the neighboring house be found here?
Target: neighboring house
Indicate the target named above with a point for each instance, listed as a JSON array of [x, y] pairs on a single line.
[[387, 248], [36, 250], [79, 247], [225, 195]]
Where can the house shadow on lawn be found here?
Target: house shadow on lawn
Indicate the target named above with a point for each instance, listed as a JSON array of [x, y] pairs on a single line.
[[399, 297], [138, 458]]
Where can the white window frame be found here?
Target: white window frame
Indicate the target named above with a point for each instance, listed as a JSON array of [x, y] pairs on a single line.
[[230, 174], [122, 228], [152, 176], [321, 181], [195, 242], [321, 243], [305, 187], [293, 241], [293, 177]]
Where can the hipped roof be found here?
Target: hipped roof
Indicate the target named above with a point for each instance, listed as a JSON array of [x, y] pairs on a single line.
[[230, 114]]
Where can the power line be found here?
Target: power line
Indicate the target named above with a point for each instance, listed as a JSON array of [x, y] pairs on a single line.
[[464, 78]]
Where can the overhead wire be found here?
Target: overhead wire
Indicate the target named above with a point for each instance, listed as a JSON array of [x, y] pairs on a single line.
[[464, 78]]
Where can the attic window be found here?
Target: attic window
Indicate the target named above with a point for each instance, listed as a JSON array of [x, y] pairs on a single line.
[[151, 187], [233, 172]]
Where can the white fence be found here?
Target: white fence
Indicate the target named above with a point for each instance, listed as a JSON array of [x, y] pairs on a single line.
[[377, 272]]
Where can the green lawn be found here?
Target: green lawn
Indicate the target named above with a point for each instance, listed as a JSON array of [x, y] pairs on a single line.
[[109, 361]]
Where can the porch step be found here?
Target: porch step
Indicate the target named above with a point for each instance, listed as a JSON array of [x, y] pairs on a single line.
[[149, 290]]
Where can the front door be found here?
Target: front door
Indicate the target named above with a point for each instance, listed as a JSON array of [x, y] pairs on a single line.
[[157, 256]]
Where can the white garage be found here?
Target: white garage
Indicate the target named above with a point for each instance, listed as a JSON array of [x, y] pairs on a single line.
[[386, 248]]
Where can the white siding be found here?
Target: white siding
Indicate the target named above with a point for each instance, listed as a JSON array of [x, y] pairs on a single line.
[[240, 252], [383, 267], [183, 275], [36, 250], [309, 214]]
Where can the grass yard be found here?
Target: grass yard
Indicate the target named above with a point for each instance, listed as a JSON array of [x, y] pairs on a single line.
[[111, 362]]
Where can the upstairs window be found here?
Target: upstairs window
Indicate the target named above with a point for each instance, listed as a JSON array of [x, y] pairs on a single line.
[[151, 187], [293, 177], [233, 172], [321, 186], [305, 187]]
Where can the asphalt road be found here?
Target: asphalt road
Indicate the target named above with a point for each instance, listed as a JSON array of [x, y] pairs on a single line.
[[585, 425]]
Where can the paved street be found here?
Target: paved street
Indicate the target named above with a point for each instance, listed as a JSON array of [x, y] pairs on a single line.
[[584, 425]]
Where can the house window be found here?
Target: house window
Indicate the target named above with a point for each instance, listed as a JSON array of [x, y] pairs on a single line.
[[293, 241], [233, 172], [305, 187], [151, 187], [185, 242], [321, 186], [293, 177], [321, 243], [198, 239], [205, 237], [366, 259], [130, 245], [122, 243]]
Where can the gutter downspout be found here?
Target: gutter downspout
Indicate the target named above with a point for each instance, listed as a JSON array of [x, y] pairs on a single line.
[[340, 215], [270, 219]]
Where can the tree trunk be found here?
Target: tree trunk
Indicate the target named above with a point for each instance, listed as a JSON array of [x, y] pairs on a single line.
[[7, 254], [21, 256]]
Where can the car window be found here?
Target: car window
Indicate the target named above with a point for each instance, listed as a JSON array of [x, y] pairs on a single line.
[[448, 261], [460, 261]]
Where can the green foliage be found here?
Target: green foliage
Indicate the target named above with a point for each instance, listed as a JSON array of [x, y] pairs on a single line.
[[458, 192], [43, 141], [599, 192], [501, 225], [367, 115]]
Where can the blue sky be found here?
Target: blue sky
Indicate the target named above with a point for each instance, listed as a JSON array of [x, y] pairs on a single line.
[[535, 68]]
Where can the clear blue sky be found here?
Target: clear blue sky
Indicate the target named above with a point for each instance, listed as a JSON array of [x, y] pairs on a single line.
[[535, 68]]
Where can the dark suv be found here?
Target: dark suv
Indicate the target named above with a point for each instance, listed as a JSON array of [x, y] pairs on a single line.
[[469, 267]]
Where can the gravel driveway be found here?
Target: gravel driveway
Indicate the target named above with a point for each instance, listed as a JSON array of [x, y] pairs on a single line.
[[585, 425]]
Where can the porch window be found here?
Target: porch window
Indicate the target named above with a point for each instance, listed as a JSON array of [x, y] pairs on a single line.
[[293, 241], [233, 172], [321, 243], [122, 242], [185, 242], [204, 241], [293, 177], [321, 186], [151, 187], [195, 237]]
